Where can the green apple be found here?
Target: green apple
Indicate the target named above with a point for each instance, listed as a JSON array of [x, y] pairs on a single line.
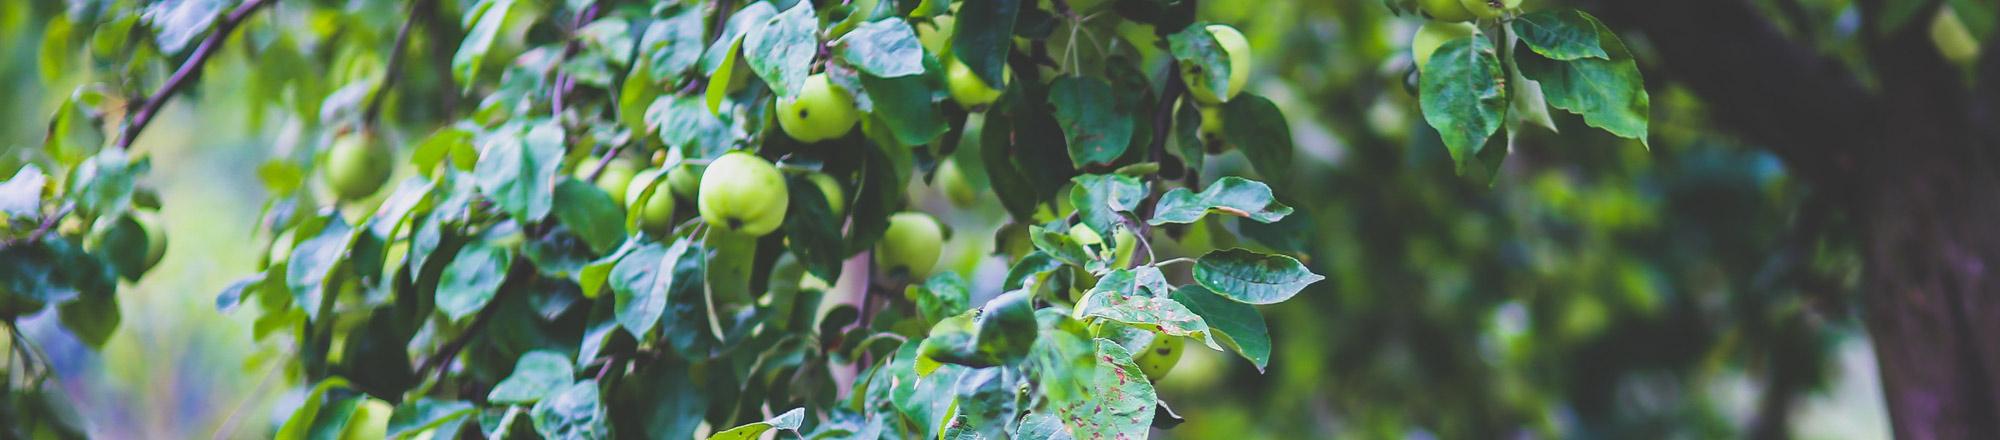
[[656, 215], [1238, 49], [819, 112], [685, 181], [369, 422], [836, 198], [156, 236], [1126, 243], [951, 179], [1160, 355], [935, 35], [1952, 38], [616, 177], [1446, 10], [970, 91], [355, 166], [1434, 35], [1211, 129], [742, 193], [1489, 9], [911, 246]]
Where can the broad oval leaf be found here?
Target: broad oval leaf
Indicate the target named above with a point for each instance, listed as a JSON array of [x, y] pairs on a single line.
[[1463, 96], [1560, 34], [1251, 277], [1231, 195], [885, 48], [1255, 124], [1097, 133], [1120, 403], [781, 50], [471, 279], [1239, 326]]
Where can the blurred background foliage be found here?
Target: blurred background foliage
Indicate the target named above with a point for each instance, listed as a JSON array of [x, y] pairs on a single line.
[[1596, 288]]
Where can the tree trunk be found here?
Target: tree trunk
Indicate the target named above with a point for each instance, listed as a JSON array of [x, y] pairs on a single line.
[[1910, 159]]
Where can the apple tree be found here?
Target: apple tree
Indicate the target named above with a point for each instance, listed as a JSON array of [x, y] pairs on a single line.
[[591, 219]]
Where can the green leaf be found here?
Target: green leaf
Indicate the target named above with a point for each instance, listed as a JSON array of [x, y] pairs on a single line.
[[1120, 297], [1042, 426], [1239, 326], [102, 186], [674, 45], [575, 412], [1187, 135], [662, 400], [1463, 96], [1231, 195], [945, 294], [789, 421], [1199, 53], [683, 123], [1255, 124], [1560, 34], [1118, 405], [781, 50], [1087, 112], [296, 426], [641, 282], [1608, 93], [92, 317], [1100, 197], [537, 375], [518, 172], [179, 22], [813, 229], [590, 213], [999, 333], [885, 48], [1251, 277], [905, 106], [471, 279], [728, 43], [491, 17], [122, 243], [984, 37], [1058, 244], [415, 416], [986, 403], [313, 260], [21, 196], [1030, 266]]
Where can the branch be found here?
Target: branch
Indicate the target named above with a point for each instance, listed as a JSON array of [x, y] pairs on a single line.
[[396, 55], [563, 82], [188, 70]]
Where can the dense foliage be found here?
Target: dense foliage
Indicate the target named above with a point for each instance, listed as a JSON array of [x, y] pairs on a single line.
[[633, 222]]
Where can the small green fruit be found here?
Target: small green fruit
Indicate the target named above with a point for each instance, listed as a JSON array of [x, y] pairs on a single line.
[[970, 91], [819, 112], [369, 422], [1238, 49], [1434, 35], [1446, 10], [656, 215], [1211, 129], [355, 166], [951, 179], [1160, 356], [836, 198], [1952, 38], [156, 236], [742, 193], [1489, 9], [617, 176], [685, 181], [911, 246]]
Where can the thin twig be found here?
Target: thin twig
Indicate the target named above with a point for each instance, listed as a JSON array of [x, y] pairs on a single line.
[[396, 55], [563, 81], [188, 70]]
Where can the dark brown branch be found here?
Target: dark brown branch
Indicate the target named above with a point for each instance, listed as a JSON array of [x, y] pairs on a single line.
[[188, 70], [396, 55]]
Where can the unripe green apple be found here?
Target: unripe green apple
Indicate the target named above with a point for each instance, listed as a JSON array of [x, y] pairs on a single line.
[[657, 214], [355, 166], [742, 193], [1121, 252], [819, 112], [970, 91], [1489, 9], [1160, 355], [156, 236], [935, 35], [1238, 49], [952, 180], [1446, 10], [369, 422], [685, 181], [1211, 129], [1434, 35], [1952, 38], [836, 198], [616, 177], [911, 246]]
